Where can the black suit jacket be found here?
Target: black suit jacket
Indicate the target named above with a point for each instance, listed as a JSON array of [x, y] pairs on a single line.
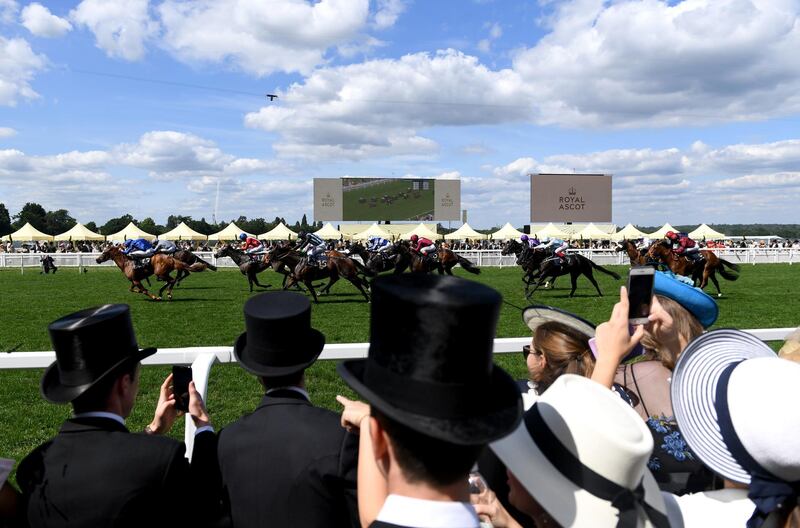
[[289, 464], [95, 473]]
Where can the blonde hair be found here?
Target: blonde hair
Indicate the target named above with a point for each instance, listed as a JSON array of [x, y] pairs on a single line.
[[684, 323], [791, 348], [565, 351]]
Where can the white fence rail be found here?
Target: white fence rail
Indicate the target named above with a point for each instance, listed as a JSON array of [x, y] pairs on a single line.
[[481, 258], [336, 351]]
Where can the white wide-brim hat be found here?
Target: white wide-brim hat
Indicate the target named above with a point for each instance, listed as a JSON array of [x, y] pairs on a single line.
[[577, 435], [760, 397]]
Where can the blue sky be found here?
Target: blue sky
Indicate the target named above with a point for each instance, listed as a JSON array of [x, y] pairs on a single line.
[[144, 106]]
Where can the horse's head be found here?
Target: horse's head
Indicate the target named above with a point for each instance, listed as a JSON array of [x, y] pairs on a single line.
[[108, 253], [511, 247], [222, 251], [623, 245]]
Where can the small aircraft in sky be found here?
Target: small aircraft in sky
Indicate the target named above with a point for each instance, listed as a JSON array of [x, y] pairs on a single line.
[[272, 97]]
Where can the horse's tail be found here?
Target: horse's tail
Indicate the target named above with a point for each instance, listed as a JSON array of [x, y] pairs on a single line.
[[467, 265], [194, 268], [362, 268], [728, 275], [207, 264], [601, 268]]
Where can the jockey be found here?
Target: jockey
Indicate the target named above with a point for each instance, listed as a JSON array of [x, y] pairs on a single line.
[[138, 249], [559, 247], [165, 246], [313, 245], [681, 244], [422, 245], [528, 242], [250, 245], [378, 244], [644, 243]]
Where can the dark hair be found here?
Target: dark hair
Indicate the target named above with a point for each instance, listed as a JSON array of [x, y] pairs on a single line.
[[290, 380], [96, 398], [422, 458], [565, 350]]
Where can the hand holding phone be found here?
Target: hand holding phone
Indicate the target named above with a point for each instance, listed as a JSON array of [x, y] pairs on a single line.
[[640, 294], [181, 377]]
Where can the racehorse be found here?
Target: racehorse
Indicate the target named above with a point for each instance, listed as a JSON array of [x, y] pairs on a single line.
[[417, 263], [701, 270], [247, 266], [376, 262], [449, 258], [279, 266], [638, 257], [337, 265], [160, 265], [575, 265], [528, 258], [189, 258]]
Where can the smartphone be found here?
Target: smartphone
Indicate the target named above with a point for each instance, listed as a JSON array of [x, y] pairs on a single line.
[[640, 294], [181, 376]]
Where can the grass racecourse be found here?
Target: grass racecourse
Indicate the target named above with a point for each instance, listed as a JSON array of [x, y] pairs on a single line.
[[207, 310]]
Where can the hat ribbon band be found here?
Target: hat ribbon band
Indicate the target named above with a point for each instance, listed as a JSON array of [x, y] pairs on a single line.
[[625, 500], [768, 492], [429, 398]]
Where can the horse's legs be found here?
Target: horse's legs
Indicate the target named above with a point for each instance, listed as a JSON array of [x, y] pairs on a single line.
[[327, 289], [590, 276], [713, 276], [255, 279], [143, 290], [573, 277], [311, 289]]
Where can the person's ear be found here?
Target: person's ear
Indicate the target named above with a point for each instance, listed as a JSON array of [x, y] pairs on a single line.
[[380, 445]]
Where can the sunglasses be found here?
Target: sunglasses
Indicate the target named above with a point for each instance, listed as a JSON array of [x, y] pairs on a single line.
[[526, 351]]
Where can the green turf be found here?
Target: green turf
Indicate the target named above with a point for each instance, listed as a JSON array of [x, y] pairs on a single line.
[[207, 310], [401, 209]]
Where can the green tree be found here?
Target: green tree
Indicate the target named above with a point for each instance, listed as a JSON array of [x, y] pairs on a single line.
[[116, 224], [33, 213], [58, 221], [5, 220], [91, 226], [149, 225]]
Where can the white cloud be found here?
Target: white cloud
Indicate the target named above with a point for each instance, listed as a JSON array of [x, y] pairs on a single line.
[[263, 37], [387, 13], [8, 11], [7, 132], [375, 108], [121, 29], [41, 22], [760, 181], [18, 65]]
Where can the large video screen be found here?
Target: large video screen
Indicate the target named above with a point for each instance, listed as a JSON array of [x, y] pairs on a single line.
[[570, 198], [399, 199]]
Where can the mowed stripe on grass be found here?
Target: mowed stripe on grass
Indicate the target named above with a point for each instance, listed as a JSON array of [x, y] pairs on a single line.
[[207, 310]]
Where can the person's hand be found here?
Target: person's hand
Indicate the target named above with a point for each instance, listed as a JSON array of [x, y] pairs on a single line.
[[661, 325], [197, 408], [353, 414], [613, 338], [166, 413], [488, 507]]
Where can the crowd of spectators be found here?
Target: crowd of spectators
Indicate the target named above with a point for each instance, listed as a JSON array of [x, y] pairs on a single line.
[[661, 424]]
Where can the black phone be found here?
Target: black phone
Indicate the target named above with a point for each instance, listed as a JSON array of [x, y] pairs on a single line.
[[640, 294], [181, 377]]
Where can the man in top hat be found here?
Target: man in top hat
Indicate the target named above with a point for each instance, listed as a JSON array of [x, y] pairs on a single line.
[[288, 463], [96, 473], [436, 399]]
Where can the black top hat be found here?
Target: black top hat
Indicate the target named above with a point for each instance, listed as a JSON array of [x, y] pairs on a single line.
[[89, 345], [279, 340], [430, 359]]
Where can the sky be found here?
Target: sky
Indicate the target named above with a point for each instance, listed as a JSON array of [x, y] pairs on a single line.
[[147, 107]]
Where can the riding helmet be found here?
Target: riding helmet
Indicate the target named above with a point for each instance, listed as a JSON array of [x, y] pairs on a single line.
[[242, 236]]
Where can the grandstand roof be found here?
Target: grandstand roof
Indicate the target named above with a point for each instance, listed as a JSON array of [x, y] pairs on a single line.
[[465, 232], [550, 231], [130, 231], [231, 232], [373, 230], [328, 232], [27, 232], [422, 231], [661, 233], [574, 228], [506, 232], [183, 232], [79, 232], [279, 232], [393, 230], [707, 233], [628, 233], [591, 232]]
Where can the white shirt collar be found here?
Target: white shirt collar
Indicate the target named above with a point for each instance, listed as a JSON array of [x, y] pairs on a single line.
[[420, 513], [101, 414], [291, 388]]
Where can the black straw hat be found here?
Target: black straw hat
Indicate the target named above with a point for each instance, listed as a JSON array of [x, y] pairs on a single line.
[[430, 359], [278, 340], [90, 345]]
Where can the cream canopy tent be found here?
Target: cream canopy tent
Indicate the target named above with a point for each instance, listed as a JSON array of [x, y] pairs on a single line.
[[79, 232], [129, 232], [661, 233], [551, 231], [465, 232], [26, 233], [183, 232], [279, 232], [373, 230], [628, 233], [231, 232], [705, 232], [506, 232], [328, 232], [422, 231], [591, 232]]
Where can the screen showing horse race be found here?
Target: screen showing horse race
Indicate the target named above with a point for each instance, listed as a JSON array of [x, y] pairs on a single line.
[[570, 198], [372, 199]]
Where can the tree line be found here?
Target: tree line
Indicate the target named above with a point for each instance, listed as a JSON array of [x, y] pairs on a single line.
[[59, 221]]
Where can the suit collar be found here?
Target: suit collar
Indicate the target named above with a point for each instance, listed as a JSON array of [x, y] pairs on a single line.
[[92, 423], [283, 398]]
